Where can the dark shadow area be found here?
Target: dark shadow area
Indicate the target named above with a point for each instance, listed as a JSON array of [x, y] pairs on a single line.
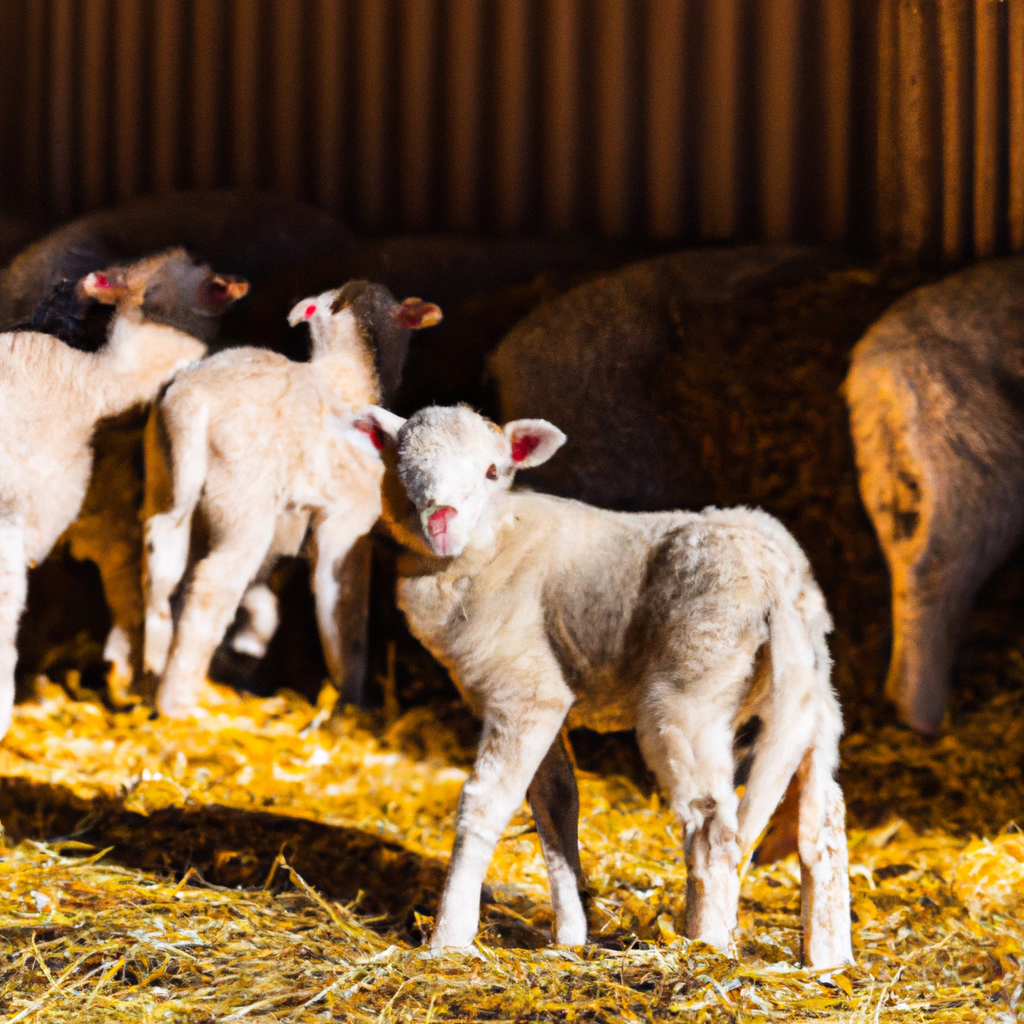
[[232, 847], [64, 623], [396, 888]]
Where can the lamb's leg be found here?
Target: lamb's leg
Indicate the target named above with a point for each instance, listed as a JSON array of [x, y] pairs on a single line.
[[341, 584], [511, 750], [109, 534], [712, 880], [260, 602], [122, 587], [354, 615], [13, 585], [111, 539], [218, 583], [824, 870], [690, 752], [555, 801], [165, 557], [262, 619]]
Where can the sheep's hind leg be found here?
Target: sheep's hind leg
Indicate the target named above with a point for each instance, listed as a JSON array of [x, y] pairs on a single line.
[[121, 585], [218, 583], [13, 585], [165, 556], [262, 618], [555, 801], [691, 754], [341, 583], [824, 870], [929, 609], [260, 603]]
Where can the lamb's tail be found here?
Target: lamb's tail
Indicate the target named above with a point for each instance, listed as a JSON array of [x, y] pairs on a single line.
[[800, 709], [176, 449]]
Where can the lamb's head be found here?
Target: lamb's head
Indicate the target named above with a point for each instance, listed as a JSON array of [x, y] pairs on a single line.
[[168, 288], [366, 313], [454, 465]]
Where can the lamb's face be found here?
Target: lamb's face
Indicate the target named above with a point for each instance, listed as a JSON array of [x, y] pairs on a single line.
[[453, 463], [167, 288], [374, 317]]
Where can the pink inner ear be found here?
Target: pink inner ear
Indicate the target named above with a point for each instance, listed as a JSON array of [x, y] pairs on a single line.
[[524, 445], [100, 280], [310, 310], [373, 432]]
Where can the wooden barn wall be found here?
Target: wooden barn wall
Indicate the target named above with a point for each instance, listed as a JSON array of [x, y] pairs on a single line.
[[888, 124]]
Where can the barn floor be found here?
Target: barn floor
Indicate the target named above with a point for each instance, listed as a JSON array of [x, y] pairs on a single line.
[[266, 862]]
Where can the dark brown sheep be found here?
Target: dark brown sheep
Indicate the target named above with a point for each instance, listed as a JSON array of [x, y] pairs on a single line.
[[936, 396]]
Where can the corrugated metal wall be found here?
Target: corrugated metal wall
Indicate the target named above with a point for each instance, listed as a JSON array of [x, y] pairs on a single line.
[[887, 123], [951, 126]]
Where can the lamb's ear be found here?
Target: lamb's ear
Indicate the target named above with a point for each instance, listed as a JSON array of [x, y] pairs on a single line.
[[416, 314], [109, 286], [378, 425], [226, 287], [303, 310], [533, 442]]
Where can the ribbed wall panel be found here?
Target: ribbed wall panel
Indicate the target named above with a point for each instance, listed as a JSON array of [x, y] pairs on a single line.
[[893, 123]]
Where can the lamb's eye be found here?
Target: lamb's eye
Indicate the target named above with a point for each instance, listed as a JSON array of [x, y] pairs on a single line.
[[492, 472]]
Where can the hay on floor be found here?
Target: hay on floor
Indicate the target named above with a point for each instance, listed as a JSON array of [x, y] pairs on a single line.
[[271, 863]]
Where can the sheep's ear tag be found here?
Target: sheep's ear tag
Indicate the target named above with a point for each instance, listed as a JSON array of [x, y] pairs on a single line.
[[100, 285], [415, 314], [303, 311]]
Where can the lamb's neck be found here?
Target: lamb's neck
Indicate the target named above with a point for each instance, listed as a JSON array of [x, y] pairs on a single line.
[[138, 358], [350, 375], [489, 533]]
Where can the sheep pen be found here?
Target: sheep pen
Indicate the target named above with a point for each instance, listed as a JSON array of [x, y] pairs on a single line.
[[128, 839]]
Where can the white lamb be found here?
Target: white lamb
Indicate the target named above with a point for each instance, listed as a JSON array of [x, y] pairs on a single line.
[[684, 626], [51, 398], [191, 297], [265, 448]]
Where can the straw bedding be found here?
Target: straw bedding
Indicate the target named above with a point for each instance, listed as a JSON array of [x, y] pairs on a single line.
[[270, 862]]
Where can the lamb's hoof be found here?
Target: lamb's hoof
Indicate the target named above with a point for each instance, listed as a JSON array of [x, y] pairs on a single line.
[[176, 711], [831, 952], [121, 693], [147, 685], [175, 705], [444, 938]]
